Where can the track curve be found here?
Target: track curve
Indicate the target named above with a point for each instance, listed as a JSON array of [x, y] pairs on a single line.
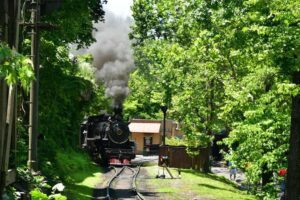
[[122, 185]]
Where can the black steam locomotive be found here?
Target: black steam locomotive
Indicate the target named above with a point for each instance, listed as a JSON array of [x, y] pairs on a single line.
[[107, 137]]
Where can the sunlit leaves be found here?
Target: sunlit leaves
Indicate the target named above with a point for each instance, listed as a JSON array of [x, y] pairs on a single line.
[[234, 56], [14, 67]]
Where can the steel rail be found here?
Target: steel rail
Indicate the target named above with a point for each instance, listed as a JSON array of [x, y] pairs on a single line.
[[138, 194], [111, 181], [133, 184]]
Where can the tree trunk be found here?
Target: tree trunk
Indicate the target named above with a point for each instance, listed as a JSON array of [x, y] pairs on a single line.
[[210, 118], [293, 174], [206, 160], [266, 176]]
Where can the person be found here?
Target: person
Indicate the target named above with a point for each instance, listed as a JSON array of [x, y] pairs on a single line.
[[232, 171], [282, 173]]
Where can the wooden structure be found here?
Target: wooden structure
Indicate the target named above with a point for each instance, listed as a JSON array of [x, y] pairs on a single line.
[[9, 31], [9, 34], [179, 158]]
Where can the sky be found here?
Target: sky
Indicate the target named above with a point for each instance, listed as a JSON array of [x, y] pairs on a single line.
[[119, 7]]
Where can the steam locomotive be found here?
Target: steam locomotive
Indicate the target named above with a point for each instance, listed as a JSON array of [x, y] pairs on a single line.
[[107, 139]]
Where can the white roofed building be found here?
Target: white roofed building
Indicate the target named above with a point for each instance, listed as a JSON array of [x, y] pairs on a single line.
[[147, 133]]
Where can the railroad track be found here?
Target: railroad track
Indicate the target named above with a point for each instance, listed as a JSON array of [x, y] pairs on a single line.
[[123, 184]]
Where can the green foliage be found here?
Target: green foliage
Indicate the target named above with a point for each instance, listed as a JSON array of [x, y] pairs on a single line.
[[15, 67], [221, 65], [85, 68], [175, 141], [26, 176], [173, 68], [22, 146], [74, 20], [57, 197], [67, 93], [36, 194], [68, 162], [67, 90]]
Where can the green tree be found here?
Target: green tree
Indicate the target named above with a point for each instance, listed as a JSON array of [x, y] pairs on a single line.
[[67, 89], [231, 68], [170, 50], [74, 21]]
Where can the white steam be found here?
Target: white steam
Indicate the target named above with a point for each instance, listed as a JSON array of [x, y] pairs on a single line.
[[113, 56]]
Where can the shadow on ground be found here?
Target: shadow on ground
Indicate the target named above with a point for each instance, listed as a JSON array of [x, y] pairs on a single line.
[[211, 176]]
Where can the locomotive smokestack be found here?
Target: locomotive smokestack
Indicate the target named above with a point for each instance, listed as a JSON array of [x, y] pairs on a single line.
[[118, 111]]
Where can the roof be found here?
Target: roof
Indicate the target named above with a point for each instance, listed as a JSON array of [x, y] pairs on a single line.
[[144, 127]]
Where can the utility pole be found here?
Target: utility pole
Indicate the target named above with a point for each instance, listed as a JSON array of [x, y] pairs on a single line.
[[33, 110]]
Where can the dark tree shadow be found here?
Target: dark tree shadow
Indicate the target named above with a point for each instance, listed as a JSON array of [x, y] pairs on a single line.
[[214, 187], [211, 176]]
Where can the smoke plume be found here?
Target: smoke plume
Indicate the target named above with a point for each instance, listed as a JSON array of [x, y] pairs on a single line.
[[113, 56]]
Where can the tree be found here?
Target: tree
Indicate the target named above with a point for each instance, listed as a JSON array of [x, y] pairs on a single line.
[[171, 57], [74, 21], [67, 90], [231, 68]]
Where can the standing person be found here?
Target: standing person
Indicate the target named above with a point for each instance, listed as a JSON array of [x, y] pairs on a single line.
[[232, 171], [282, 173]]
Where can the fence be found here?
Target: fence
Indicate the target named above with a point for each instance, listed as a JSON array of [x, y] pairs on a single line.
[[179, 158]]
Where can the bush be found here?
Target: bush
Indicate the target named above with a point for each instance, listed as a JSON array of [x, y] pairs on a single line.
[[175, 141], [36, 194], [68, 162]]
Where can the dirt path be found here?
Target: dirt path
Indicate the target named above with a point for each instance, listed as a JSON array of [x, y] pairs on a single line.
[[100, 188], [144, 187]]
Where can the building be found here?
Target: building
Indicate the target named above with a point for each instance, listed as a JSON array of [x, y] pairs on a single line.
[[148, 133]]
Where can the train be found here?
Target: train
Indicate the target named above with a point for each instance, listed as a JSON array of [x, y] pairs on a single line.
[[106, 137]]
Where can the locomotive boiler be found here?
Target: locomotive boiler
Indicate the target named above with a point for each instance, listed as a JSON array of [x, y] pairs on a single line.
[[107, 138]]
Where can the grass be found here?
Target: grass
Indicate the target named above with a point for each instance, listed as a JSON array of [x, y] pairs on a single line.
[[195, 184], [83, 190], [80, 174]]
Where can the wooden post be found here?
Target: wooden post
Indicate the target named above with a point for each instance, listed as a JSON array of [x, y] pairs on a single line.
[[7, 136], [3, 93], [3, 105]]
